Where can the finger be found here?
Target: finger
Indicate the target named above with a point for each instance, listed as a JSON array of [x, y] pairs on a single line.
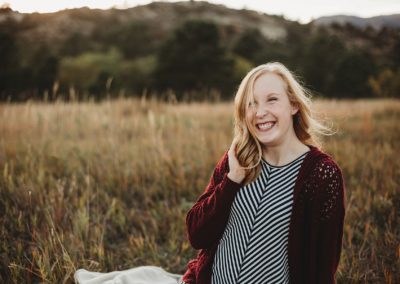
[[232, 144], [230, 151], [235, 142]]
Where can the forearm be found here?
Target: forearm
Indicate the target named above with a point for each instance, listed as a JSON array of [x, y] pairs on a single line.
[[207, 218]]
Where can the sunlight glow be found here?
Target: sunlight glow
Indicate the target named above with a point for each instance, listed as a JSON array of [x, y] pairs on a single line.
[[303, 11]]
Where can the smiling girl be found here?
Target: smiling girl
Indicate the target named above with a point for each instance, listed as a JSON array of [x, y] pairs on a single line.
[[274, 208]]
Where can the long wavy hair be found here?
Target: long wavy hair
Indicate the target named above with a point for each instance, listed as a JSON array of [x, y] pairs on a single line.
[[307, 128]]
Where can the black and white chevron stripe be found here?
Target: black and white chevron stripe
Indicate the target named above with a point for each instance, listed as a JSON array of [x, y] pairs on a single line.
[[253, 248]]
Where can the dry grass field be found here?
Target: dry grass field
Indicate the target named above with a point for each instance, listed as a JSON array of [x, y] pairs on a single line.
[[106, 186]]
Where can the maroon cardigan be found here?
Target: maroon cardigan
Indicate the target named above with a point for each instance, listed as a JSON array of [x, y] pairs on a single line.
[[316, 224]]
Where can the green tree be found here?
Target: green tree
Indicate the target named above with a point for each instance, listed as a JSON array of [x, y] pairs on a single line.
[[43, 70], [297, 36], [136, 75], [351, 75], [394, 54], [253, 46], [323, 52], [193, 60], [249, 44], [90, 71], [9, 70], [134, 39], [386, 83], [75, 44]]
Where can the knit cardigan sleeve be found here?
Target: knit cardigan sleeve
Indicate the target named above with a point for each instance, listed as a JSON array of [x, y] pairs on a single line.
[[207, 218], [330, 220]]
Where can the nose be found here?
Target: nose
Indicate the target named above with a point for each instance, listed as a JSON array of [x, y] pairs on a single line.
[[261, 111]]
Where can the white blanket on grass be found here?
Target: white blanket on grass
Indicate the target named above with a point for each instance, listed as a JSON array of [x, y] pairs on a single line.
[[138, 275]]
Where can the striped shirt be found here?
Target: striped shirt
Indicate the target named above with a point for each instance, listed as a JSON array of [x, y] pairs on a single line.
[[253, 247]]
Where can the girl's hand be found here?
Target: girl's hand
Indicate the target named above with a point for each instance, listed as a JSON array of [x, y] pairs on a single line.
[[235, 174]]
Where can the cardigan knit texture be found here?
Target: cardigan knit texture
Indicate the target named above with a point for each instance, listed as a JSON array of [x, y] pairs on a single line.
[[316, 223]]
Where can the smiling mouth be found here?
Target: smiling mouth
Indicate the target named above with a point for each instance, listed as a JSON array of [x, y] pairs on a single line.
[[265, 126]]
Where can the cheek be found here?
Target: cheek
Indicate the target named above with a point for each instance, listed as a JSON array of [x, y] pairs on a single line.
[[250, 120], [249, 116], [283, 111]]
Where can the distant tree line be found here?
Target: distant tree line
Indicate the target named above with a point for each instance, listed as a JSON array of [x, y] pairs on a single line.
[[192, 61]]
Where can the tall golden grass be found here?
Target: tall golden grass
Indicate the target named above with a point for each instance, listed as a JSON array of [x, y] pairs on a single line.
[[106, 186]]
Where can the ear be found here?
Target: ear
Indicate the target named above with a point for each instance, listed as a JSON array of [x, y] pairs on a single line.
[[294, 109]]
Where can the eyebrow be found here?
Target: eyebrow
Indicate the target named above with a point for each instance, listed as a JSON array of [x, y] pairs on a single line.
[[270, 94]]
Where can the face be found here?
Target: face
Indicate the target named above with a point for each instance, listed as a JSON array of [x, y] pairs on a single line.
[[270, 114]]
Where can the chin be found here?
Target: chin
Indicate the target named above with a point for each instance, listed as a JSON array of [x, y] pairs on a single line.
[[267, 142]]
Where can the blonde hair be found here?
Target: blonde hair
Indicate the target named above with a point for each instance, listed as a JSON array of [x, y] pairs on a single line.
[[307, 128]]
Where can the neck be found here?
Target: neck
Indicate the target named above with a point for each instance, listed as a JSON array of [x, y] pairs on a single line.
[[285, 152]]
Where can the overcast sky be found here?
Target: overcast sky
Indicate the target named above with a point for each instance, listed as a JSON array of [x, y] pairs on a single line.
[[301, 10]]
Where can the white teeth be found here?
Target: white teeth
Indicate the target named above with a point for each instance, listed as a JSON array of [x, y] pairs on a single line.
[[266, 125]]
